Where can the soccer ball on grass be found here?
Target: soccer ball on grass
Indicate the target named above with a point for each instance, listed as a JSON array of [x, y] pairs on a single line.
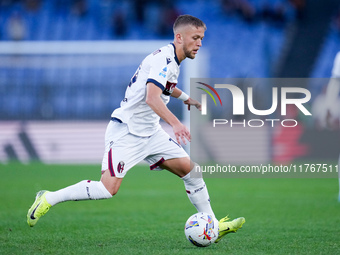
[[201, 229]]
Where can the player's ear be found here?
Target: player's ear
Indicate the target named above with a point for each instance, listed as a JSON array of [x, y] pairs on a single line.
[[179, 38]]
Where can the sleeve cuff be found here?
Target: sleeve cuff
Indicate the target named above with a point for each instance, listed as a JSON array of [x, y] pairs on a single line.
[[158, 84]]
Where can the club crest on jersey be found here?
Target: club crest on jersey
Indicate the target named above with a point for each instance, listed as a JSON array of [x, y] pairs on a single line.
[[163, 72], [168, 61], [120, 167]]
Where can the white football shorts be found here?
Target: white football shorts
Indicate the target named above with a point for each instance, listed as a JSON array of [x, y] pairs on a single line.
[[124, 150]]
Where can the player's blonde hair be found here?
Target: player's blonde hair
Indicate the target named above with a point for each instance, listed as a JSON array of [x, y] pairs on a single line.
[[187, 19]]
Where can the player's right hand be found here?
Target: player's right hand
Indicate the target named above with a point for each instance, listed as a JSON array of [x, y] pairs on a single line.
[[193, 102]]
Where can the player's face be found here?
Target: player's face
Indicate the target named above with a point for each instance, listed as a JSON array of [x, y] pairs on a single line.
[[192, 40]]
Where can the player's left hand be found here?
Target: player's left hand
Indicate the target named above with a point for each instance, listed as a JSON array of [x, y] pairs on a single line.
[[193, 102], [181, 132]]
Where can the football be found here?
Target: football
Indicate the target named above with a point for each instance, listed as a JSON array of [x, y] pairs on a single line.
[[201, 229]]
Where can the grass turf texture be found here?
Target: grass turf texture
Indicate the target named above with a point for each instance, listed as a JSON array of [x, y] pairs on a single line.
[[147, 216]]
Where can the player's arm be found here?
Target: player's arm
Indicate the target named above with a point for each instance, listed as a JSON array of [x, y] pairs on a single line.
[[177, 93], [333, 88], [153, 99], [332, 93]]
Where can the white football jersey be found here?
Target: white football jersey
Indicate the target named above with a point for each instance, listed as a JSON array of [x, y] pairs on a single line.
[[336, 66], [161, 68]]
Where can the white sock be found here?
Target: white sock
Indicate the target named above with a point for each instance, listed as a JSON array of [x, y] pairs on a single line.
[[84, 190], [198, 193]]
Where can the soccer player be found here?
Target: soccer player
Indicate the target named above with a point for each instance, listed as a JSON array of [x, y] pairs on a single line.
[[332, 94], [134, 133]]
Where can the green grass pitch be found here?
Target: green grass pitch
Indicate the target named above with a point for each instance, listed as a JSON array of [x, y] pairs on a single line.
[[147, 216]]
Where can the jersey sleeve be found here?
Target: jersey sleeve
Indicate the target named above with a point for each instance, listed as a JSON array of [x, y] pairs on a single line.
[[336, 66], [159, 72]]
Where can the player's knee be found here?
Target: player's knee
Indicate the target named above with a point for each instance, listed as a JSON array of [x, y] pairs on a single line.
[[178, 166], [195, 171], [113, 191], [112, 184]]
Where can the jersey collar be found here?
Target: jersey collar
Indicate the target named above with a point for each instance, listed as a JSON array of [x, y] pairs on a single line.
[[177, 61]]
